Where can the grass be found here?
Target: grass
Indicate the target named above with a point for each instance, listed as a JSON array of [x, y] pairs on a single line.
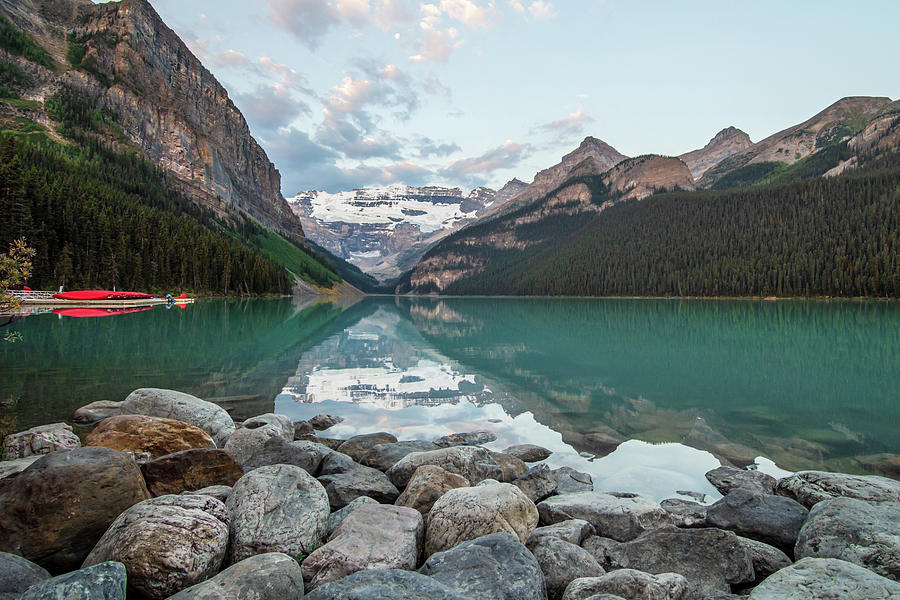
[[293, 258]]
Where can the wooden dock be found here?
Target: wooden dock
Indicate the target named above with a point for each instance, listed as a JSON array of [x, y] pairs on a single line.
[[46, 299]]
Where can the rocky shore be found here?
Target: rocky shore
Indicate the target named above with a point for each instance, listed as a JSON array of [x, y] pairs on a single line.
[[167, 497]]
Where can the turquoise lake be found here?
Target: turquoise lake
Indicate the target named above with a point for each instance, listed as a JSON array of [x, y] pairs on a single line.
[[684, 383]]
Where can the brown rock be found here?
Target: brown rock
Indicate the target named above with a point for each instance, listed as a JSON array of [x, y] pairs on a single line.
[[358, 445], [155, 435], [190, 470], [528, 452], [427, 484]]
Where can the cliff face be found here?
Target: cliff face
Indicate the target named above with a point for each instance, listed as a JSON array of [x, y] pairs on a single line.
[[727, 142], [166, 102]]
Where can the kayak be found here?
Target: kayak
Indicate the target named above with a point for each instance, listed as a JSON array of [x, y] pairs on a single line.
[[97, 312], [101, 295]]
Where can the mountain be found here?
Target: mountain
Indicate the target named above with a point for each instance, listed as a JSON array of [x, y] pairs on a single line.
[[385, 230], [727, 142]]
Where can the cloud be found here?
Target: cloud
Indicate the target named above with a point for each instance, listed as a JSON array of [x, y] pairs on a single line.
[[428, 147], [355, 12], [516, 6], [307, 20], [505, 156], [270, 107], [229, 58], [541, 10], [390, 14], [465, 11], [573, 124], [436, 44]]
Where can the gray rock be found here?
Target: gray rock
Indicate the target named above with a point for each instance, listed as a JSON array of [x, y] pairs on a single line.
[[810, 487], [775, 520], [561, 562], [219, 492], [427, 485], [606, 597], [328, 442], [374, 536], [40, 440], [825, 579], [11, 467], [166, 543], [468, 513], [472, 462], [279, 508], [335, 518], [631, 584], [685, 513], [528, 452], [343, 488], [282, 422], [864, 533], [468, 438], [493, 567], [358, 445], [278, 451], [156, 402], [17, 574], [302, 428], [766, 559], [105, 581], [537, 483], [726, 479], [568, 480], [93, 413], [709, 559], [384, 456], [510, 466], [245, 443], [323, 422], [574, 531], [620, 517], [603, 550], [337, 462], [393, 584], [270, 576]]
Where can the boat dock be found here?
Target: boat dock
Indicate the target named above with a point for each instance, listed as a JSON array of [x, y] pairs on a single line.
[[45, 298]]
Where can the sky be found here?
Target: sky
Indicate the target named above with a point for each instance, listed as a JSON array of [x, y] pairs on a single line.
[[345, 94]]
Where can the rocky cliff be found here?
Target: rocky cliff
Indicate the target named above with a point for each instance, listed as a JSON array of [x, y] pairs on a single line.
[[727, 142], [165, 102]]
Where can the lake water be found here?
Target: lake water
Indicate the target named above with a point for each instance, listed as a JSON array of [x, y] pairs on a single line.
[[803, 384]]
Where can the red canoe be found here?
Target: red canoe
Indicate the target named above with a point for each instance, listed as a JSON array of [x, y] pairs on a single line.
[[97, 312], [101, 295]]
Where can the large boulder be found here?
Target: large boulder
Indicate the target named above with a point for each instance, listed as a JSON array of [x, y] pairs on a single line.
[[17, 574], [190, 470], [568, 481], [427, 485], [156, 402], [537, 483], [528, 452], [392, 584], [279, 508], [270, 576], [468, 513], [358, 445], [345, 487], [766, 559], [278, 451], [574, 531], [54, 511], [156, 436], [726, 479], [472, 462], [493, 567], [244, 443], [468, 438], [810, 487], [775, 520], [385, 456], [562, 562], [105, 581], [281, 422], [374, 536], [825, 579], [864, 533], [40, 440], [338, 516], [631, 584], [93, 413], [166, 543], [621, 517]]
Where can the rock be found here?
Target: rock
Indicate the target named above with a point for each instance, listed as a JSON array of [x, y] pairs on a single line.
[[775, 520], [154, 435], [468, 438], [40, 440], [603, 550], [335, 518], [569, 480], [574, 531], [863, 533], [343, 488], [766, 559], [825, 579], [278, 451], [358, 445], [270, 576], [561, 562], [244, 443], [337, 462], [884, 464], [726, 479], [427, 485], [537, 483], [703, 437], [468, 513], [282, 422], [279, 508], [384, 456], [8, 468], [472, 462], [219, 492], [528, 452], [17, 574], [685, 513], [323, 422], [810, 487], [302, 428], [374, 536], [600, 443], [166, 543], [631, 584], [709, 559], [92, 413], [392, 584], [331, 443], [620, 517], [510, 466], [190, 470], [492, 567], [54, 511], [169, 404], [105, 581]]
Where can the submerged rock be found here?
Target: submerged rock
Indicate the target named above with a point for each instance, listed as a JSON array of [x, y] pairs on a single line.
[[270, 576], [810, 487], [105, 581], [825, 579], [156, 402], [40, 440], [775, 520], [427, 485], [620, 517]]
